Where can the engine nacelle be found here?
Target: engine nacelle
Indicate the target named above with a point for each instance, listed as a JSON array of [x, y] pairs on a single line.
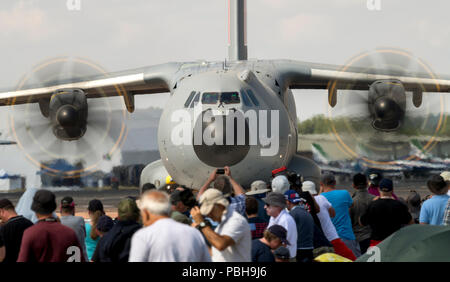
[[387, 104], [68, 112]]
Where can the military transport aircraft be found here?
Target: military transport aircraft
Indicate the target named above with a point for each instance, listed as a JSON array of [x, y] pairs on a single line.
[[217, 90]]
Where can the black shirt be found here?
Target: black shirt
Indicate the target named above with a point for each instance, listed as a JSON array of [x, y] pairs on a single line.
[[114, 246], [261, 252], [11, 236], [385, 216]]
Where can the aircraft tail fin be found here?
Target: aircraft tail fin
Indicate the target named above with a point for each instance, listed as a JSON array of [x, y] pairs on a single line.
[[319, 155], [417, 149], [237, 30], [362, 150]]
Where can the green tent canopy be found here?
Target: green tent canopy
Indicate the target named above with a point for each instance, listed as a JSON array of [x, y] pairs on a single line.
[[413, 243]]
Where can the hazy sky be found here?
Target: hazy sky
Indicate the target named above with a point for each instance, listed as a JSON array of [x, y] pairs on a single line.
[[125, 34]]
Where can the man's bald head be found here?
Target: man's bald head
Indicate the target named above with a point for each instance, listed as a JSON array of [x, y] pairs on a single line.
[[156, 203]]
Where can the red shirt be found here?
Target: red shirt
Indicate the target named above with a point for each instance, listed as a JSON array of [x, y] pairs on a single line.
[[49, 241]]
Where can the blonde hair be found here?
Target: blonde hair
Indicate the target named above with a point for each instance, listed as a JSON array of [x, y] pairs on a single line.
[[94, 220]]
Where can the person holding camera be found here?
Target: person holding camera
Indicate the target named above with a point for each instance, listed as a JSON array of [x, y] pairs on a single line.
[[228, 186], [231, 239]]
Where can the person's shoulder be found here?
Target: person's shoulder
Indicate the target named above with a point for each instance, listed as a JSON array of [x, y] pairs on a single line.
[[344, 192], [63, 228], [240, 197], [287, 217], [256, 244], [237, 217], [34, 230], [80, 219], [142, 233], [427, 203]]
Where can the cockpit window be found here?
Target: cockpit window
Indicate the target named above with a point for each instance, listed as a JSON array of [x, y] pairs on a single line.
[[210, 98], [230, 98], [196, 99], [189, 99], [245, 99], [252, 97]]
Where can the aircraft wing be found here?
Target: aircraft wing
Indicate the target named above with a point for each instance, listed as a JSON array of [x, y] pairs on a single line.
[[147, 80], [303, 75]]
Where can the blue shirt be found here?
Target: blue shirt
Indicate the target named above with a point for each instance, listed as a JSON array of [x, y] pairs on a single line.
[[90, 244], [432, 211], [341, 202]]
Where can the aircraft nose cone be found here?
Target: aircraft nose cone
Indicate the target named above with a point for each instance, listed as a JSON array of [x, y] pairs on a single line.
[[385, 108], [215, 152], [67, 116], [388, 114]]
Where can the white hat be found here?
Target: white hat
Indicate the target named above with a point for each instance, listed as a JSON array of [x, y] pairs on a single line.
[[209, 198], [446, 175], [258, 187], [280, 184], [309, 186]]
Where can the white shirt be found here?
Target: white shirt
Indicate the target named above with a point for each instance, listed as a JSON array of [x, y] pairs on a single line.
[[235, 226], [324, 216], [287, 221], [168, 241]]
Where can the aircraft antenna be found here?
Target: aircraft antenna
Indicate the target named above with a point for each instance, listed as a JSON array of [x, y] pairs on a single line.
[[237, 30]]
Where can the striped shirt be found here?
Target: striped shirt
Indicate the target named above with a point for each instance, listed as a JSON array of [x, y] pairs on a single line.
[[447, 214]]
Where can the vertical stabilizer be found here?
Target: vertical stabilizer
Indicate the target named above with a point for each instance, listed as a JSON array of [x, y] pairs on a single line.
[[237, 30], [319, 154], [418, 150]]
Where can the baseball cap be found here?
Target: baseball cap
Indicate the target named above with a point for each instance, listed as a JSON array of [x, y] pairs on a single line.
[[104, 224], [375, 178], [67, 202], [280, 184], [5, 203], [275, 199], [280, 232], [446, 176], [209, 198], [258, 187], [360, 180], [44, 202], [309, 186], [328, 179], [95, 205], [386, 185], [292, 196], [282, 253], [128, 210]]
